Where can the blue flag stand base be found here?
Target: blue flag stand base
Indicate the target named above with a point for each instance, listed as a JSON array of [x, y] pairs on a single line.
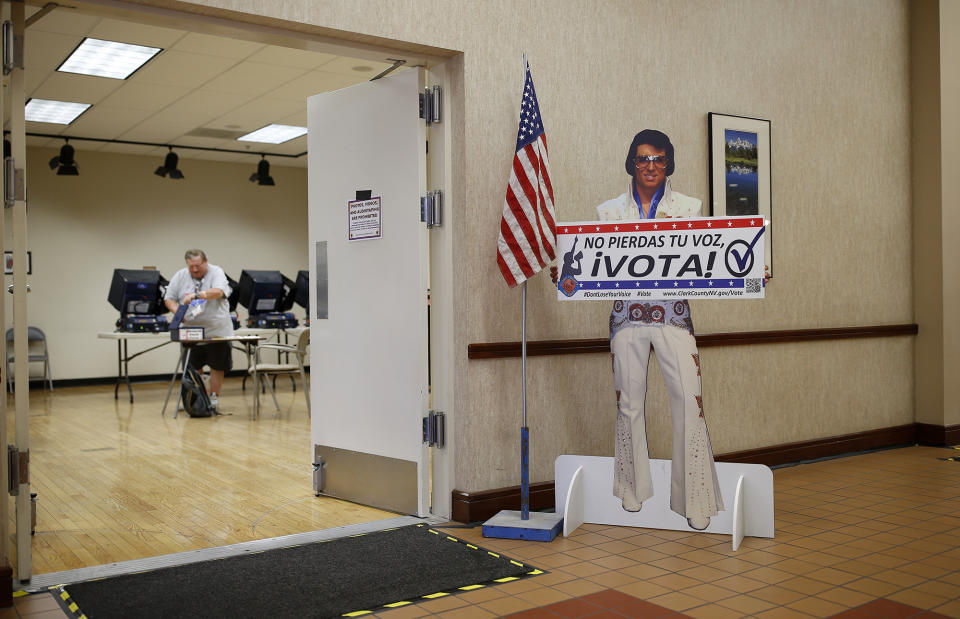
[[538, 527], [511, 524]]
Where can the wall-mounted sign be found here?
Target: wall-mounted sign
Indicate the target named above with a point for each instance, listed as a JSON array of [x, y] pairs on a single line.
[[365, 219]]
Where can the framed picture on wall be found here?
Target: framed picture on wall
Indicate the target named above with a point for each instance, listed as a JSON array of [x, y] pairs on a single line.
[[740, 170], [8, 263]]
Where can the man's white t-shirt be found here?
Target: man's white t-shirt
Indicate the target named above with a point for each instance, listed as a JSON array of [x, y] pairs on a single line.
[[215, 314]]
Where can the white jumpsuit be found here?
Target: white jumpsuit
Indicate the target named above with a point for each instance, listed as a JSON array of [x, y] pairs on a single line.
[[664, 326]]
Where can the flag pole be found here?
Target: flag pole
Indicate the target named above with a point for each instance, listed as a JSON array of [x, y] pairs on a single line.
[[524, 430]]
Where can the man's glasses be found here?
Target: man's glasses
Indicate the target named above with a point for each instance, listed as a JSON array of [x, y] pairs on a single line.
[[658, 161]]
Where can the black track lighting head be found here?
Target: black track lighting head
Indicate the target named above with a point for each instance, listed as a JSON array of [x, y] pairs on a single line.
[[64, 163], [169, 166], [262, 175]]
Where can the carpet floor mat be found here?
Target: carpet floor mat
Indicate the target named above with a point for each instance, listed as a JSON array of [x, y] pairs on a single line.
[[349, 576]]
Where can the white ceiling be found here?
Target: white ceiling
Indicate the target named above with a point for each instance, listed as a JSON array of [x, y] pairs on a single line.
[[198, 82]]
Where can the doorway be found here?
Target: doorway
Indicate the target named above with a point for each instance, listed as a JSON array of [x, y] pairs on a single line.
[[133, 453]]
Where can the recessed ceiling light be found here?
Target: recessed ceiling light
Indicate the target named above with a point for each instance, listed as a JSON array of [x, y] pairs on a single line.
[[58, 112], [274, 134], [107, 58]]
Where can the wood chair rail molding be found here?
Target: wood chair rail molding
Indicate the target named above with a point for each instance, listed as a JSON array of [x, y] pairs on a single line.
[[506, 350]]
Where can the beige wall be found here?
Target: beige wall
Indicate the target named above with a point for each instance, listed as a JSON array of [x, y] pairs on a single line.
[[832, 76], [118, 214], [935, 94]]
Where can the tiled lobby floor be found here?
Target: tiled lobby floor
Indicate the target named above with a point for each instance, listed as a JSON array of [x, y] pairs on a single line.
[[874, 535], [849, 531]]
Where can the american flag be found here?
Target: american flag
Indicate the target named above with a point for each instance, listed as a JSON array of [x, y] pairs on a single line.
[[528, 235]]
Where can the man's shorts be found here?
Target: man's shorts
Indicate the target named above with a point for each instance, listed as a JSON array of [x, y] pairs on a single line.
[[218, 356]]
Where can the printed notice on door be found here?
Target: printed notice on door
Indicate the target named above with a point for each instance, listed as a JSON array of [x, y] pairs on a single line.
[[365, 219]]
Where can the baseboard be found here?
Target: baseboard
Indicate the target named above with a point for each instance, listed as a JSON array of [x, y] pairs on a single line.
[[930, 434], [825, 447], [6, 585], [481, 505]]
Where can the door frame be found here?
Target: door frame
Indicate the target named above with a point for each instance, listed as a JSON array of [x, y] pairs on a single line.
[[298, 35]]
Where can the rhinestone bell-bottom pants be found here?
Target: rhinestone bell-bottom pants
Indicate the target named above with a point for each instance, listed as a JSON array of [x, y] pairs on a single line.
[[694, 490]]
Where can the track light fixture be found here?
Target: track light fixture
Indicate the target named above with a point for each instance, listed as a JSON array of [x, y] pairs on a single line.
[[64, 163], [262, 175], [170, 166]]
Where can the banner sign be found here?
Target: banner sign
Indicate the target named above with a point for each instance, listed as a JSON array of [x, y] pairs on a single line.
[[704, 257]]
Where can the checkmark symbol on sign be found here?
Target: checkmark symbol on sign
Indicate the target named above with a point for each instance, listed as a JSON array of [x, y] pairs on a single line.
[[742, 260]]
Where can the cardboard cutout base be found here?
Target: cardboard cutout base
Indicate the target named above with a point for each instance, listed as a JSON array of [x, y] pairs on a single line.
[[599, 506]]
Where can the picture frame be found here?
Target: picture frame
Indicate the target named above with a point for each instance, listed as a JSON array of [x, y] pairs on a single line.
[[8, 263], [740, 171]]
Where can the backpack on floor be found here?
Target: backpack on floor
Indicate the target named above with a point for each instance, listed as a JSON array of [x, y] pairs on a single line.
[[195, 399]]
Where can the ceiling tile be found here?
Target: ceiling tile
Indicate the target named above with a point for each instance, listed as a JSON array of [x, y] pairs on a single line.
[[312, 83], [197, 43], [346, 66], [293, 147], [107, 122], [189, 140], [140, 34], [73, 87], [253, 78], [193, 110], [256, 114], [146, 151], [297, 120], [45, 51], [175, 68], [65, 21], [35, 127], [147, 97], [155, 131], [288, 57]]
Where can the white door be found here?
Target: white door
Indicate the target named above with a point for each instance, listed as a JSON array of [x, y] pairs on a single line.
[[368, 299]]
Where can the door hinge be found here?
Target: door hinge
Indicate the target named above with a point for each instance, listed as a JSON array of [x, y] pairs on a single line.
[[435, 429], [431, 104], [18, 469], [431, 208], [12, 49], [13, 185]]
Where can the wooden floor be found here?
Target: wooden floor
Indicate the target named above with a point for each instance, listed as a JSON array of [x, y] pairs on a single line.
[[118, 481]]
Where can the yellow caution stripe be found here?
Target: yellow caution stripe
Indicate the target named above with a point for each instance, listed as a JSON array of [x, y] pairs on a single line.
[[358, 613], [18, 594], [472, 587], [396, 604], [515, 563], [434, 596], [507, 579]]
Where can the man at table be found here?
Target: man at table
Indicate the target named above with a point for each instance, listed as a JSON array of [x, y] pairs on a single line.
[[203, 286]]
